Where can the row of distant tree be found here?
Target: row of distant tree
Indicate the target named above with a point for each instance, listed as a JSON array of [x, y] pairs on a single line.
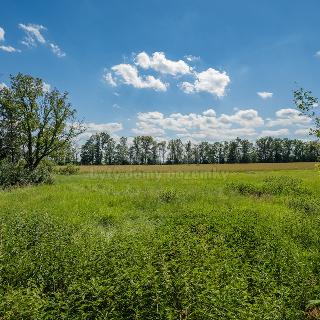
[[101, 148]]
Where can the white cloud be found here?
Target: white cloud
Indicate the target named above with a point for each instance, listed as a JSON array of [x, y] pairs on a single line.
[[317, 54], [245, 118], [5, 47], [265, 94], [33, 34], [211, 80], [34, 37], [93, 128], [110, 127], [275, 133], [56, 50], [287, 117], [108, 78], [302, 132], [9, 49], [1, 34], [128, 74], [209, 113], [191, 58], [206, 125], [160, 63]]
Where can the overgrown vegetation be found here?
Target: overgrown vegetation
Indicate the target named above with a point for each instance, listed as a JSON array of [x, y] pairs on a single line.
[[161, 247]]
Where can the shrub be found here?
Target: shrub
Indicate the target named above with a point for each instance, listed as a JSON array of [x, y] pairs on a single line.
[[16, 174], [67, 170], [246, 188], [270, 186], [307, 205]]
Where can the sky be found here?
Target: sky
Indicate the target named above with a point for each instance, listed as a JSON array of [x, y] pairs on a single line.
[[199, 70]]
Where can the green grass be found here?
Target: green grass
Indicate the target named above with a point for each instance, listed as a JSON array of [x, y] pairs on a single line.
[[201, 245]]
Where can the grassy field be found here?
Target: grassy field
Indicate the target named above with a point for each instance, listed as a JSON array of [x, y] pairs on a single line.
[[191, 245], [198, 167]]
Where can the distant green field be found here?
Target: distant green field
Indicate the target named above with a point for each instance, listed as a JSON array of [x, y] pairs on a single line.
[[237, 167], [192, 245]]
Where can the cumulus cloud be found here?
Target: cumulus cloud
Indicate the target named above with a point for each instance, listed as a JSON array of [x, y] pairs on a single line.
[[206, 125], [265, 94], [160, 63], [245, 118], [317, 54], [288, 116], [128, 74], [210, 80]]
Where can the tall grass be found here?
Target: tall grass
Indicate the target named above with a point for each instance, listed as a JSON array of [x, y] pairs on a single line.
[[161, 247]]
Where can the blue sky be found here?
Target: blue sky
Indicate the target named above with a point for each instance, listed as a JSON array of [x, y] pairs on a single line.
[[188, 69]]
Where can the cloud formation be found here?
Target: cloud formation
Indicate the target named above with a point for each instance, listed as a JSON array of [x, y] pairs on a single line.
[[35, 37], [6, 48], [246, 123], [56, 50], [211, 81], [128, 74], [33, 34], [287, 117], [265, 95], [160, 63]]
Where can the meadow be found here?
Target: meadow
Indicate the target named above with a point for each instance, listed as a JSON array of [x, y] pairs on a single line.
[[164, 242]]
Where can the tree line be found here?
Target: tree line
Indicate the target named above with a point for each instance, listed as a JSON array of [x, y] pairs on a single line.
[[102, 148]]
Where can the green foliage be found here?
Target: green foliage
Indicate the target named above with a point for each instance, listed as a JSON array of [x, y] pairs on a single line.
[[67, 170], [107, 247], [35, 125], [16, 174], [101, 148], [273, 185], [307, 205]]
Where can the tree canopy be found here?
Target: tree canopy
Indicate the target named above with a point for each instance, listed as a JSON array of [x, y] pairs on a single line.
[[35, 123]]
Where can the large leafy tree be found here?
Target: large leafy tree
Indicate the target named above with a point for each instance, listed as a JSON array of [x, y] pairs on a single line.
[[35, 123]]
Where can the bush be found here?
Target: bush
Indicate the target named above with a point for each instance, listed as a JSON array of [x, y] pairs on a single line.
[[307, 205], [16, 174], [270, 186], [67, 170]]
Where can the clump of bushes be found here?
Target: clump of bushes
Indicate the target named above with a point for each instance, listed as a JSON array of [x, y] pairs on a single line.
[[272, 185], [307, 205], [17, 174], [67, 170]]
